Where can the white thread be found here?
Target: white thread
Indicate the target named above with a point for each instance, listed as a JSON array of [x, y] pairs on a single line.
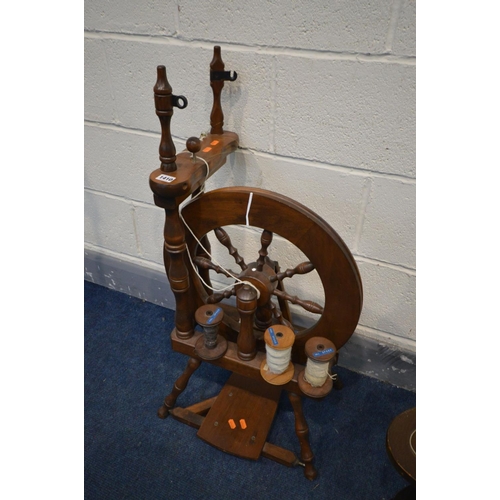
[[181, 207], [248, 207], [316, 372], [411, 445], [278, 359]]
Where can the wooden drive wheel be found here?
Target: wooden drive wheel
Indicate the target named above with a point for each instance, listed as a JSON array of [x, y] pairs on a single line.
[[277, 214]]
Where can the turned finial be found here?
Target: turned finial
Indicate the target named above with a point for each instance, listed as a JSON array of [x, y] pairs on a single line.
[[193, 144], [164, 104], [216, 116], [217, 78]]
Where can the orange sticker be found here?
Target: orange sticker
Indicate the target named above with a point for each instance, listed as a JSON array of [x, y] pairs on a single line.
[[243, 423], [214, 143], [231, 423], [207, 149]]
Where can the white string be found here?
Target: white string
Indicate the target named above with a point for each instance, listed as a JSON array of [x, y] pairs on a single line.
[[411, 446], [181, 207], [316, 372], [248, 207], [278, 359]]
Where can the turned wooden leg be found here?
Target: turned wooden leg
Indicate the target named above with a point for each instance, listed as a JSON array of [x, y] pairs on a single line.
[[302, 431], [179, 386], [337, 383]]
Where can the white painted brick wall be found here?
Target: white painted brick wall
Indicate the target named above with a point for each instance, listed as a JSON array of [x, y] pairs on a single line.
[[114, 158], [109, 223], [404, 36], [99, 102], [389, 222], [341, 26], [324, 106], [348, 113], [154, 17]]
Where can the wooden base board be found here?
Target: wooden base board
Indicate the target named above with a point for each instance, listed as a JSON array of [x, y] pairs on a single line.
[[241, 417]]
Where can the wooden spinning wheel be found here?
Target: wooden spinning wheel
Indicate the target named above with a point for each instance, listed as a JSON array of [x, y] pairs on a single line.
[[238, 323], [277, 214]]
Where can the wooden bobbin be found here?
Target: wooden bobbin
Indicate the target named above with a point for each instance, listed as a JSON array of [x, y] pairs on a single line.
[[211, 345], [278, 337], [322, 350]]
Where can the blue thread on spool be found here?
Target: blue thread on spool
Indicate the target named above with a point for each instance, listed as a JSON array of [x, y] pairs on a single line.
[[273, 336], [322, 353], [214, 315]]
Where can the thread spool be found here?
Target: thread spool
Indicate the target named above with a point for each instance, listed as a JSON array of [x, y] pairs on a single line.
[[210, 345], [277, 369], [315, 380]]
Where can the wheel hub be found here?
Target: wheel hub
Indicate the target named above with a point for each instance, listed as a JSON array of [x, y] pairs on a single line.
[[261, 280]]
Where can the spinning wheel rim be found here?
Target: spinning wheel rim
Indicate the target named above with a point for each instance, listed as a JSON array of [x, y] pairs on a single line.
[[321, 244]]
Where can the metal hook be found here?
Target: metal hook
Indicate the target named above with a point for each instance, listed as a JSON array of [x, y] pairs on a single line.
[[176, 99], [223, 75]]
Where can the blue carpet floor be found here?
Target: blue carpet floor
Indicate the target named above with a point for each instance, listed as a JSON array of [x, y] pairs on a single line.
[[132, 454]]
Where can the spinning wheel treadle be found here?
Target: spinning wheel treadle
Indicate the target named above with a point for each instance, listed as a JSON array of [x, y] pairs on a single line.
[[240, 399], [233, 336]]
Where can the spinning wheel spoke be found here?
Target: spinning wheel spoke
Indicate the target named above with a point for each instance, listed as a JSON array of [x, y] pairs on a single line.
[[308, 305], [303, 268], [204, 252], [225, 240], [285, 309], [218, 296], [277, 314], [207, 264], [265, 239]]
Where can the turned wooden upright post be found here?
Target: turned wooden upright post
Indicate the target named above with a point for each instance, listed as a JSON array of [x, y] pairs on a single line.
[[246, 301], [173, 256], [174, 233], [176, 179]]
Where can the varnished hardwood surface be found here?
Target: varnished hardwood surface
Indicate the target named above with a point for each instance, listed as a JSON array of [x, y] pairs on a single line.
[[401, 443], [230, 361], [250, 400]]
